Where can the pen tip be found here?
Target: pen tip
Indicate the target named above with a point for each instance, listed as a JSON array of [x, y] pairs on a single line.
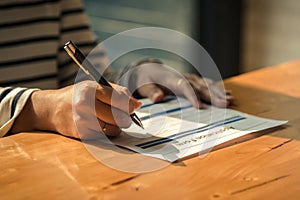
[[137, 121], [141, 125]]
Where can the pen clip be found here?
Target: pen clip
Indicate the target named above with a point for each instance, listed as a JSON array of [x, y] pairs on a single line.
[[70, 49]]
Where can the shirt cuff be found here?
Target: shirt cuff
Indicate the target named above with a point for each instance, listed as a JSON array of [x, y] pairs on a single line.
[[12, 103]]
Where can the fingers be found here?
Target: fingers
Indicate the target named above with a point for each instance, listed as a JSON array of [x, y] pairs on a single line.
[[153, 92], [88, 125], [189, 92], [152, 79], [229, 97], [112, 115], [109, 129], [117, 97], [113, 106], [209, 91], [108, 107], [89, 128], [219, 96]]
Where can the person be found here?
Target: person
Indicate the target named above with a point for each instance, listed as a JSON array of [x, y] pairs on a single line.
[[36, 90]]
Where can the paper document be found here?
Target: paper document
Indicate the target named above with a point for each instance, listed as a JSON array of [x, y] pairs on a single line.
[[174, 129]]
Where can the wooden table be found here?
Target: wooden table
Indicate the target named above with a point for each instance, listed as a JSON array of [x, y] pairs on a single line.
[[50, 166]]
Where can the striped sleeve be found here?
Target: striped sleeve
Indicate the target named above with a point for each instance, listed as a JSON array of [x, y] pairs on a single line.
[[29, 39], [12, 101], [33, 33], [75, 26]]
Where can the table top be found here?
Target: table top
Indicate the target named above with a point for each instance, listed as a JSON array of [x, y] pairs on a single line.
[[263, 166]]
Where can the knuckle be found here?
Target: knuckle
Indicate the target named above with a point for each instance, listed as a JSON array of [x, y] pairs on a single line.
[[84, 94], [125, 90], [79, 101], [185, 85], [86, 85], [83, 89], [194, 76]]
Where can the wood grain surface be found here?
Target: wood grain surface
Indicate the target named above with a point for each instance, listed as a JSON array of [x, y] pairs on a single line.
[[50, 166]]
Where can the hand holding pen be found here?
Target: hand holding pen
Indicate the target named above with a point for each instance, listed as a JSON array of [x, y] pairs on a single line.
[[90, 70]]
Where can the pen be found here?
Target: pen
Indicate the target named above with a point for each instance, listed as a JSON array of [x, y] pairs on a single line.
[[88, 68]]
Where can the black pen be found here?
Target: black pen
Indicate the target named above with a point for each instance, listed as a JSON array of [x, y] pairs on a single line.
[[90, 70]]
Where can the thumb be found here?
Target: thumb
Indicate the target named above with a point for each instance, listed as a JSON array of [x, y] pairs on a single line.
[[153, 92], [136, 104]]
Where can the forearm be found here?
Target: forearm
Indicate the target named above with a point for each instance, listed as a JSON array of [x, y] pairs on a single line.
[[85, 105]]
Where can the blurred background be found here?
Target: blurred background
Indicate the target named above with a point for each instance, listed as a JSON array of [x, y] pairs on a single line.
[[240, 35]]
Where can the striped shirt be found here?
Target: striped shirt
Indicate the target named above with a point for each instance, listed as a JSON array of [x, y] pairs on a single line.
[[33, 33]]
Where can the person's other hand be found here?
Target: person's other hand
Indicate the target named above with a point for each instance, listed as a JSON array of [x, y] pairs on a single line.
[[155, 81], [78, 110]]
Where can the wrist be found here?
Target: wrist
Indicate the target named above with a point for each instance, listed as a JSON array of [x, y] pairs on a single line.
[[42, 110], [36, 113]]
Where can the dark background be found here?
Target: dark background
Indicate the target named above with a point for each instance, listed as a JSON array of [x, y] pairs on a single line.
[[215, 24]]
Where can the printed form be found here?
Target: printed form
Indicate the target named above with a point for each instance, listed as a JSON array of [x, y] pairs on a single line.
[[174, 129]]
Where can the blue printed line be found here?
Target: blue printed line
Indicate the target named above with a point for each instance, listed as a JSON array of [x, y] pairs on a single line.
[[196, 129], [168, 139], [190, 132], [163, 101], [164, 112], [205, 128], [147, 105]]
